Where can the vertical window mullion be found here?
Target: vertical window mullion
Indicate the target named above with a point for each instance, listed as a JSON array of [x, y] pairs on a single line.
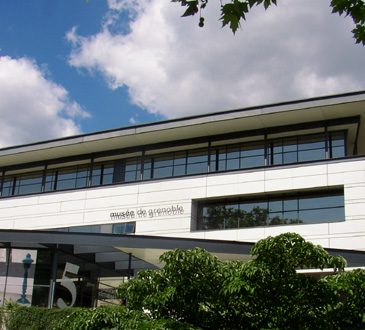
[[142, 164], [44, 177], [265, 150], [226, 158], [217, 160], [186, 161], [2, 181], [209, 151], [330, 146], [238, 214], [152, 166], [173, 163], [55, 181], [88, 184], [297, 142], [326, 143], [13, 188], [102, 174], [225, 217]]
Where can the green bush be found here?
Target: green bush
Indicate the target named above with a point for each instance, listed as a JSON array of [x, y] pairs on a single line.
[[116, 317], [16, 317]]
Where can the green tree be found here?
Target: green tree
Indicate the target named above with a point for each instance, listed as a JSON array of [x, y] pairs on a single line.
[[233, 12], [196, 289]]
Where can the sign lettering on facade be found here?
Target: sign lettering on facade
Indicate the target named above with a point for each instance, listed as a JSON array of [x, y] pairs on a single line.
[[147, 213]]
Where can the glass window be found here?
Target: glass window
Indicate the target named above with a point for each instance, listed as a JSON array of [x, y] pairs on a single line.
[[252, 155], [253, 214], [197, 161], [179, 158], [130, 227], [291, 217], [225, 157], [308, 155], [311, 142], [67, 178], [249, 162], [275, 206], [50, 181], [290, 157], [162, 172], [337, 144], [163, 166], [231, 216], [321, 215], [26, 183], [96, 178], [147, 168], [179, 163], [102, 174], [320, 202], [291, 150], [29, 183], [132, 169], [8, 186], [233, 152], [85, 229], [290, 145], [179, 170], [233, 163], [124, 228], [164, 161], [273, 210]]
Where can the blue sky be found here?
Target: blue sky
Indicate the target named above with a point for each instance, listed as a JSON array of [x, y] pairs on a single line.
[[37, 30], [71, 66]]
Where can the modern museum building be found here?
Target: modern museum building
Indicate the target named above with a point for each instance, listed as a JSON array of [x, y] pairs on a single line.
[[81, 214]]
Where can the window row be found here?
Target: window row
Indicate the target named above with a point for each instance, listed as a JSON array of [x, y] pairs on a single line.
[[122, 228], [272, 210], [210, 159]]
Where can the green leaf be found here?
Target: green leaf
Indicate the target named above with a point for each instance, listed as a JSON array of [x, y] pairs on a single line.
[[192, 8], [232, 13], [359, 34]]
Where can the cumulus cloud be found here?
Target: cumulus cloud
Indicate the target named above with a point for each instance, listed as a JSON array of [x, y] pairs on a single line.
[[172, 67], [32, 107]]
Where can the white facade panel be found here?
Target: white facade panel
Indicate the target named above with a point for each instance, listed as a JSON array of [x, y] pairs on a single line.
[[355, 192], [75, 208], [251, 234], [123, 200]]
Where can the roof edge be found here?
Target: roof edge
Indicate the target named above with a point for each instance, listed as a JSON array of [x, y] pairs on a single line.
[[169, 121]]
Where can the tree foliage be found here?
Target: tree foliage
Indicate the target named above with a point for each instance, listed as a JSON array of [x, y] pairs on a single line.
[[196, 289], [233, 12]]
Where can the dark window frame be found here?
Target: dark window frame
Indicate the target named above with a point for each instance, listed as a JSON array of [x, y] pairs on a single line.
[[145, 164], [214, 215]]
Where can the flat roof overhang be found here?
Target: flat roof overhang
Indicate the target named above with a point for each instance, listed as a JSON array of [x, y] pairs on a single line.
[[112, 252], [260, 117]]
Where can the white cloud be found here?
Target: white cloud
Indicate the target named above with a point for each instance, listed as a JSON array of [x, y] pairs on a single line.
[[173, 67], [311, 84], [32, 107]]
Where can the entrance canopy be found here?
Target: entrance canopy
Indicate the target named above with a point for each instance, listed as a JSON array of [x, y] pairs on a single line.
[[117, 255]]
